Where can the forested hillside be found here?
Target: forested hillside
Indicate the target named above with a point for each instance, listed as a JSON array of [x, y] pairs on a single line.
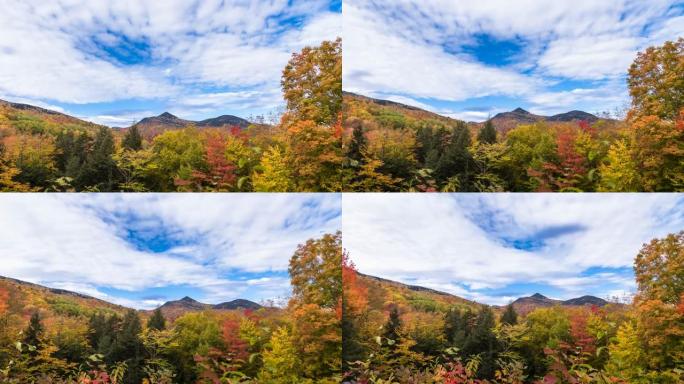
[[57, 336], [392, 147], [41, 150], [397, 333]]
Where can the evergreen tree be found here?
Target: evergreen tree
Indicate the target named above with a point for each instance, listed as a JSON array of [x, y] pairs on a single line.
[[99, 170], [128, 347], [456, 160], [34, 331], [157, 321], [391, 328], [358, 144], [487, 134], [482, 341], [132, 140], [458, 326], [509, 316]]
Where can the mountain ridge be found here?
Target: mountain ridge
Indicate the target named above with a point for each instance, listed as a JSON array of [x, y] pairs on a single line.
[[522, 305], [502, 121]]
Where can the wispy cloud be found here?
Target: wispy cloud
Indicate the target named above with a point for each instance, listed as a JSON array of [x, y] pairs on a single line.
[[545, 56], [224, 245], [75, 53], [477, 246]]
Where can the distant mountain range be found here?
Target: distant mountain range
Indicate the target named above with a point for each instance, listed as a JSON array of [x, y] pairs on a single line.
[[175, 308], [148, 126], [522, 305], [152, 126], [170, 309], [508, 120], [502, 121], [527, 304]]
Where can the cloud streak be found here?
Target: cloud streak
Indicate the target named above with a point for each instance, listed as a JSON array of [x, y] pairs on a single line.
[[224, 245], [475, 246]]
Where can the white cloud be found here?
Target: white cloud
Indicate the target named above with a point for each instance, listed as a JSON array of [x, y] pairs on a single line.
[[416, 48], [437, 239], [63, 50], [82, 239]]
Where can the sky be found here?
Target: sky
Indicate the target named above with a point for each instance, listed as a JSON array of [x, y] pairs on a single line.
[[473, 59], [141, 250], [114, 62], [494, 248]]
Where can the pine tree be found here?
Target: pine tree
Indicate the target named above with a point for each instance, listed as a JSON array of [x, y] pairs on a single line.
[[482, 341], [157, 321], [99, 170], [391, 328], [487, 134], [34, 331], [132, 140], [358, 144], [128, 347], [509, 316], [458, 326]]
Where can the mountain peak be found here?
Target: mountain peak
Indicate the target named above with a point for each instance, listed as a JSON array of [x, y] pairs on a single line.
[[188, 299], [167, 116], [520, 110], [539, 296]]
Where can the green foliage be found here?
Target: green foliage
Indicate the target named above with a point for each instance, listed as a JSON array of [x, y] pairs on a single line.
[[157, 321], [132, 140]]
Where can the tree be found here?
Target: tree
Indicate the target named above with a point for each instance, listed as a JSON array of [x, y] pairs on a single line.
[[176, 154], [315, 157], [281, 365], [509, 316], [657, 148], [619, 173], [659, 271], [656, 81], [99, 170], [482, 341], [316, 271], [128, 347], [312, 83], [316, 279], [358, 144], [157, 321], [132, 140], [487, 134], [34, 332], [275, 174], [392, 327]]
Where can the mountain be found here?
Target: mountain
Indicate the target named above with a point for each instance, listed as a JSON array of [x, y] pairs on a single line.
[[224, 120], [525, 305], [421, 298], [385, 112], [22, 298], [237, 304], [506, 121], [415, 297], [165, 119], [357, 106], [33, 119], [150, 127], [174, 309]]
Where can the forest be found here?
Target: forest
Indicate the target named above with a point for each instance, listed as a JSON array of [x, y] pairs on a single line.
[[407, 149], [392, 334], [300, 152], [50, 338]]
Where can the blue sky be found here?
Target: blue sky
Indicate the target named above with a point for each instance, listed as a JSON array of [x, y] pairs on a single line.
[[473, 59], [494, 248], [141, 250], [116, 62]]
